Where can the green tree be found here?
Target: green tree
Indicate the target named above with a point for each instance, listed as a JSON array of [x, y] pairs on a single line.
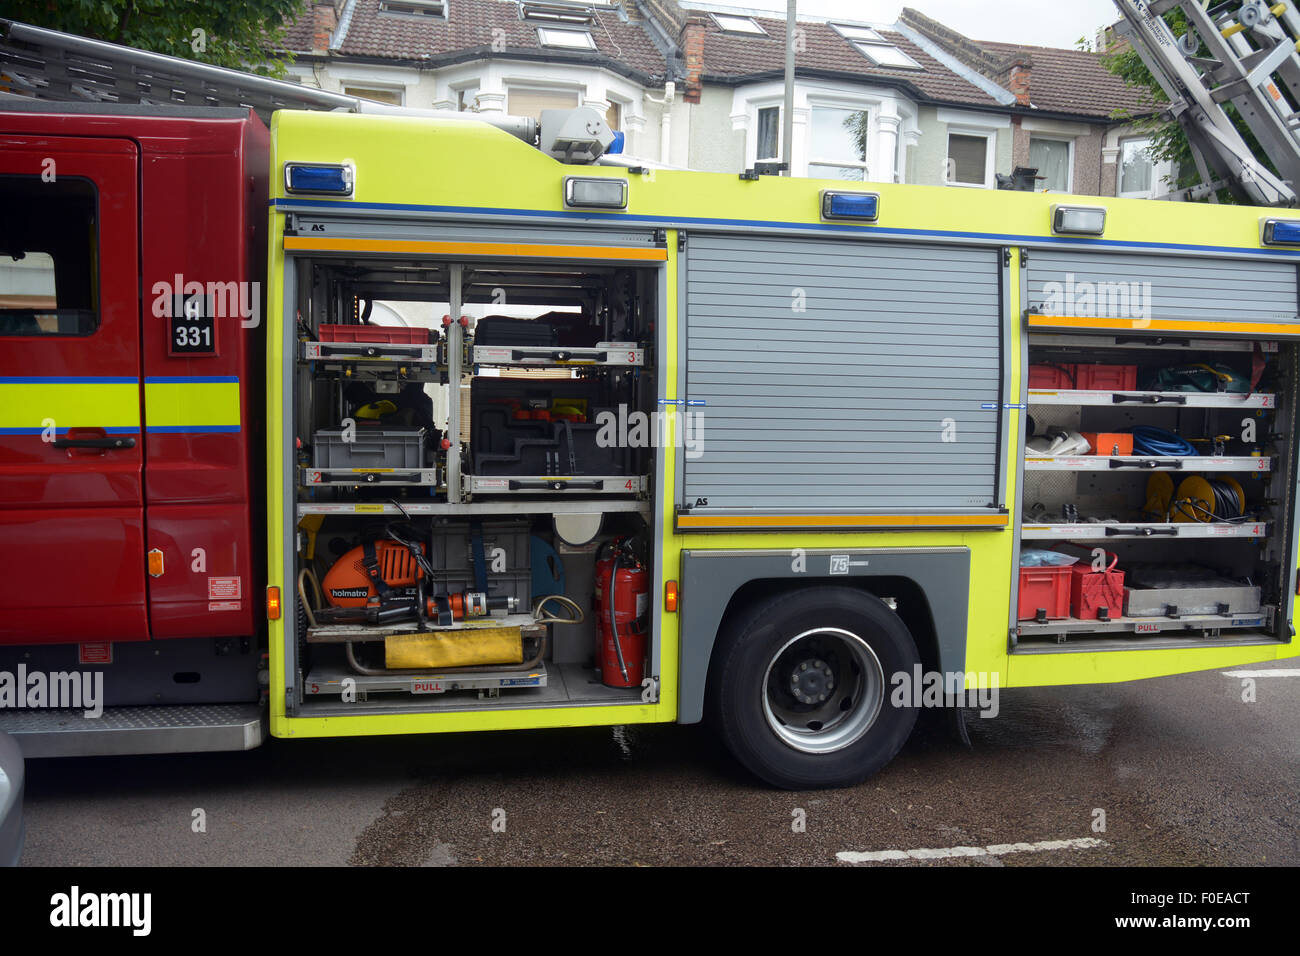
[[1168, 141], [242, 34]]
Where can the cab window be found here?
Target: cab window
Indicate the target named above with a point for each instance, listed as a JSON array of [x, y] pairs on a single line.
[[48, 257]]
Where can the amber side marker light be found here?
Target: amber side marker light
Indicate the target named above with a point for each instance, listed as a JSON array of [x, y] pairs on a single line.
[[273, 603], [155, 563], [670, 596]]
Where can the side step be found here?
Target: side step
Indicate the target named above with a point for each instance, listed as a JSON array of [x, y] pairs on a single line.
[[179, 728]]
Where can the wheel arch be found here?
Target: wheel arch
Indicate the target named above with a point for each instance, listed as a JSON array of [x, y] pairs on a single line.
[[930, 585]]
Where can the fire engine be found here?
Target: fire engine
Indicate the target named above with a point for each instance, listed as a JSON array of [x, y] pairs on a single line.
[[324, 422]]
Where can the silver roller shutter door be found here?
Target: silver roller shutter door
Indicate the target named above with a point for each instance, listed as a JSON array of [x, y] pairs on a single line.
[[842, 407], [1192, 288]]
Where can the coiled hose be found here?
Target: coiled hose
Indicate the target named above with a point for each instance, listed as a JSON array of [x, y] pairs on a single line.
[[1149, 440]]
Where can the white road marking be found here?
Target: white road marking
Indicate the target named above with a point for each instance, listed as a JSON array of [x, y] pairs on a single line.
[[1278, 672], [943, 853]]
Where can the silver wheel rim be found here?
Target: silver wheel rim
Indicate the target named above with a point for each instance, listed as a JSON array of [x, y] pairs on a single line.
[[822, 690]]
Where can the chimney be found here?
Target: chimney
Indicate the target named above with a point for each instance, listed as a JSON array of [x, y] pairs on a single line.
[[693, 51], [324, 21], [1019, 81]]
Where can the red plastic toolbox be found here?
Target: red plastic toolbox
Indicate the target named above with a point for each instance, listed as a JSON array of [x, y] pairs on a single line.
[[377, 334], [1051, 376], [1090, 590], [1106, 378], [1046, 589]]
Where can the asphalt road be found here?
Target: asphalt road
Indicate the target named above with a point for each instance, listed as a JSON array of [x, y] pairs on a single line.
[[1185, 772]]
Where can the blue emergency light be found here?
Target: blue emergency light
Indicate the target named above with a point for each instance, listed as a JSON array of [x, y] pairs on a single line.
[[1281, 232], [854, 207], [321, 179]]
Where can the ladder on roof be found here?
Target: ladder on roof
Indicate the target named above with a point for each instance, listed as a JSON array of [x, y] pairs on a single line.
[[48, 65], [1253, 63]]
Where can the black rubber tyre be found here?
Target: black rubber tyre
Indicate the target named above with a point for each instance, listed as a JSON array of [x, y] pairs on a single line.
[[799, 687]]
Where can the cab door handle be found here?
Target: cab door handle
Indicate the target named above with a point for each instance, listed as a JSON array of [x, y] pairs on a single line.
[[101, 440]]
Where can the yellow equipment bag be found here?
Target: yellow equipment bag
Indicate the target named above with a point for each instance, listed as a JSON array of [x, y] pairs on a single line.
[[461, 648]]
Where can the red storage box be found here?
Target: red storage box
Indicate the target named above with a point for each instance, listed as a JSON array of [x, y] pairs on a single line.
[[1106, 378], [1045, 589], [1091, 590], [1051, 376], [377, 334]]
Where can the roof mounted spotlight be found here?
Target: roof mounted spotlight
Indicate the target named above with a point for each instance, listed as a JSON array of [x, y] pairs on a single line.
[[1279, 232], [592, 192], [1078, 220]]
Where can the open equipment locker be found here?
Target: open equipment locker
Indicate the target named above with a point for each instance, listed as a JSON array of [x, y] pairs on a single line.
[[1211, 568], [335, 662]]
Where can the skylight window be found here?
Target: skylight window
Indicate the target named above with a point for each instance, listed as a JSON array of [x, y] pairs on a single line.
[[577, 14], [566, 39], [732, 24], [859, 33], [876, 48], [415, 8]]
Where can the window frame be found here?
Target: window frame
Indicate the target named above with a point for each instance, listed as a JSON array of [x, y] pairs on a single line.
[[542, 88], [543, 31], [415, 9], [872, 111], [758, 112], [398, 91], [758, 30], [1150, 191], [864, 45], [1069, 160], [990, 150], [95, 263]]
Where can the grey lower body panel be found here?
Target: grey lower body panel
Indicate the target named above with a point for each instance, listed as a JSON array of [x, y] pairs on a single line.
[[184, 728]]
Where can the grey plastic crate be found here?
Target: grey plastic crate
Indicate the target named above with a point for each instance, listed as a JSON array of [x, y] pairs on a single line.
[[453, 559], [395, 446]]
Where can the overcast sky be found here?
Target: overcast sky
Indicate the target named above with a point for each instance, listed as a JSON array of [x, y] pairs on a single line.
[[1039, 22]]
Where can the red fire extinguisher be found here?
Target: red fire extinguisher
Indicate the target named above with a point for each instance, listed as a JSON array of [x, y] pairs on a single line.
[[622, 591]]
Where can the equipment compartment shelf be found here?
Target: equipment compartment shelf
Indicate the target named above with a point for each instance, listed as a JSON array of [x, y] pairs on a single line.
[[1130, 463], [623, 354], [1091, 531], [1139, 399], [1143, 625]]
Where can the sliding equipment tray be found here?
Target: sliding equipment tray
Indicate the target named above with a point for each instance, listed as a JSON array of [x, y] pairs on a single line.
[[369, 477], [604, 353], [1138, 399], [1093, 531], [1143, 625], [329, 682], [555, 484], [1189, 463]]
